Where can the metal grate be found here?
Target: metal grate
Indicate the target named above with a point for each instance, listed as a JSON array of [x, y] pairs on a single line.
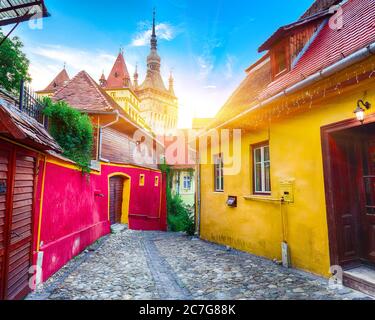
[[27, 102], [30, 104], [16, 11]]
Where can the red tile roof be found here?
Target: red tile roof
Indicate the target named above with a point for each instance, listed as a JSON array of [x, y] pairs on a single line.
[[84, 94], [119, 76], [286, 30], [259, 76], [60, 80], [330, 46], [24, 129], [319, 6]]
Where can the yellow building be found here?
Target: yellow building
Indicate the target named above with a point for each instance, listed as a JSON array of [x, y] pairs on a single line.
[[120, 87], [296, 183]]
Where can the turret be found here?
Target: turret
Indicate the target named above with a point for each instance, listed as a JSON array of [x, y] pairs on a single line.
[[136, 77], [103, 80], [119, 77], [171, 84]]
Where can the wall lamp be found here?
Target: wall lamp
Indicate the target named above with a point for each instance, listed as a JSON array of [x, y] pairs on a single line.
[[361, 109]]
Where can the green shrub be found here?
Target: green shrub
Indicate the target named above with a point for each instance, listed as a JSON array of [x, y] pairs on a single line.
[[180, 217], [72, 130]]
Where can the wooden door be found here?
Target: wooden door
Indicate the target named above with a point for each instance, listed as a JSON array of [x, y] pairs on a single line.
[[368, 200], [5, 153], [18, 221], [116, 186], [344, 172]]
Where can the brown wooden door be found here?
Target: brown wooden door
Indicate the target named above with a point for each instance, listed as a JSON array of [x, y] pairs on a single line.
[[18, 221], [116, 186], [344, 167], [5, 153], [368, 200]]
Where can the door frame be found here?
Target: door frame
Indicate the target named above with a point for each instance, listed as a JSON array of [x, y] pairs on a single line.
[[326, 133], [125, 196]]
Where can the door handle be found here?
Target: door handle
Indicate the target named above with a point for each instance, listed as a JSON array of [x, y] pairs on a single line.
[[14, 233]]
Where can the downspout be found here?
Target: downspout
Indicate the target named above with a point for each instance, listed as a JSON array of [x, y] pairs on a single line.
[[38, 244], [198, 205], [101, 136], [323, 74]]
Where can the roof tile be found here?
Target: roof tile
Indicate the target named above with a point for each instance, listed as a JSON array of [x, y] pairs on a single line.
[[330, 46], [84, 94]]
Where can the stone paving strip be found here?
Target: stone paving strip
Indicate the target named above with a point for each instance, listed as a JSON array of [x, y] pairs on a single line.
[[164, 266]]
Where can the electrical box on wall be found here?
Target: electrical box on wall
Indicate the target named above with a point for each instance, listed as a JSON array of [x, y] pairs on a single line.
[[287, 190]]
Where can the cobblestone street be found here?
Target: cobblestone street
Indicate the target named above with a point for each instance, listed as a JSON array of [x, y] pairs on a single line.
[[142, 266]]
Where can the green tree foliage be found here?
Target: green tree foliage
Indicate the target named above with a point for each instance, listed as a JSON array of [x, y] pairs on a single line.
[[179, 216], [72, 130], [180, 219], [14, 65]]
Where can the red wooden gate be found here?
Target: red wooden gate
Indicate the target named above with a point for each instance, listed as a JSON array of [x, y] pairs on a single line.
[[17, 193]]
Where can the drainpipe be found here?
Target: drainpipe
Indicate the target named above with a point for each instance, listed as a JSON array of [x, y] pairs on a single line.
[[101, 138], [350, 60], [198, 205]]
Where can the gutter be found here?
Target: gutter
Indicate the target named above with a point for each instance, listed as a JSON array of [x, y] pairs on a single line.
[[350, 60]]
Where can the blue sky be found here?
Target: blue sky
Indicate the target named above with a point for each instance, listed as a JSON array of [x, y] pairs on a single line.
[[208, 44]]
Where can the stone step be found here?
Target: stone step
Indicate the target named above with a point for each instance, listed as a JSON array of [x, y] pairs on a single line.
[[362, 279], [118, 228]]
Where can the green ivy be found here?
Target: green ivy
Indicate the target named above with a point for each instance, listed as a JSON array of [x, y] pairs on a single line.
[[72, 130]]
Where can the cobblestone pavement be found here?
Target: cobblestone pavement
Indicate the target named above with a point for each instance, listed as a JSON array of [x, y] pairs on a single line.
[[153, 265]]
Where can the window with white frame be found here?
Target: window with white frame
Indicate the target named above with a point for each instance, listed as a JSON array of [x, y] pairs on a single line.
[[219, 173], [187, 182], [262, 169]]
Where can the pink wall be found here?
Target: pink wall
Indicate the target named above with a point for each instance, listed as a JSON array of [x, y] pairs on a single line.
[[74, 215]]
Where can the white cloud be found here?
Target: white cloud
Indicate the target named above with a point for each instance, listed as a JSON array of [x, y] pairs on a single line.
[[206, 61], [197, 97], [206, 65], [48, 60], [164, 31], [230, 60]]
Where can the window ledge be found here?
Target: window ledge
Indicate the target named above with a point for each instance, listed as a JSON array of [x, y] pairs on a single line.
[[263, 198]]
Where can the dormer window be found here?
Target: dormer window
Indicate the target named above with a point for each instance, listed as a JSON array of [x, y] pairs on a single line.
[[289, 43], [280, 59]]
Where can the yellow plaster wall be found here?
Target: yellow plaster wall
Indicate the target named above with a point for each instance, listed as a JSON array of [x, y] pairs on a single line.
[[127, 100], [295, 147]]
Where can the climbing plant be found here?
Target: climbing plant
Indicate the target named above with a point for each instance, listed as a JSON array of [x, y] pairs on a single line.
[[72, 130]]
